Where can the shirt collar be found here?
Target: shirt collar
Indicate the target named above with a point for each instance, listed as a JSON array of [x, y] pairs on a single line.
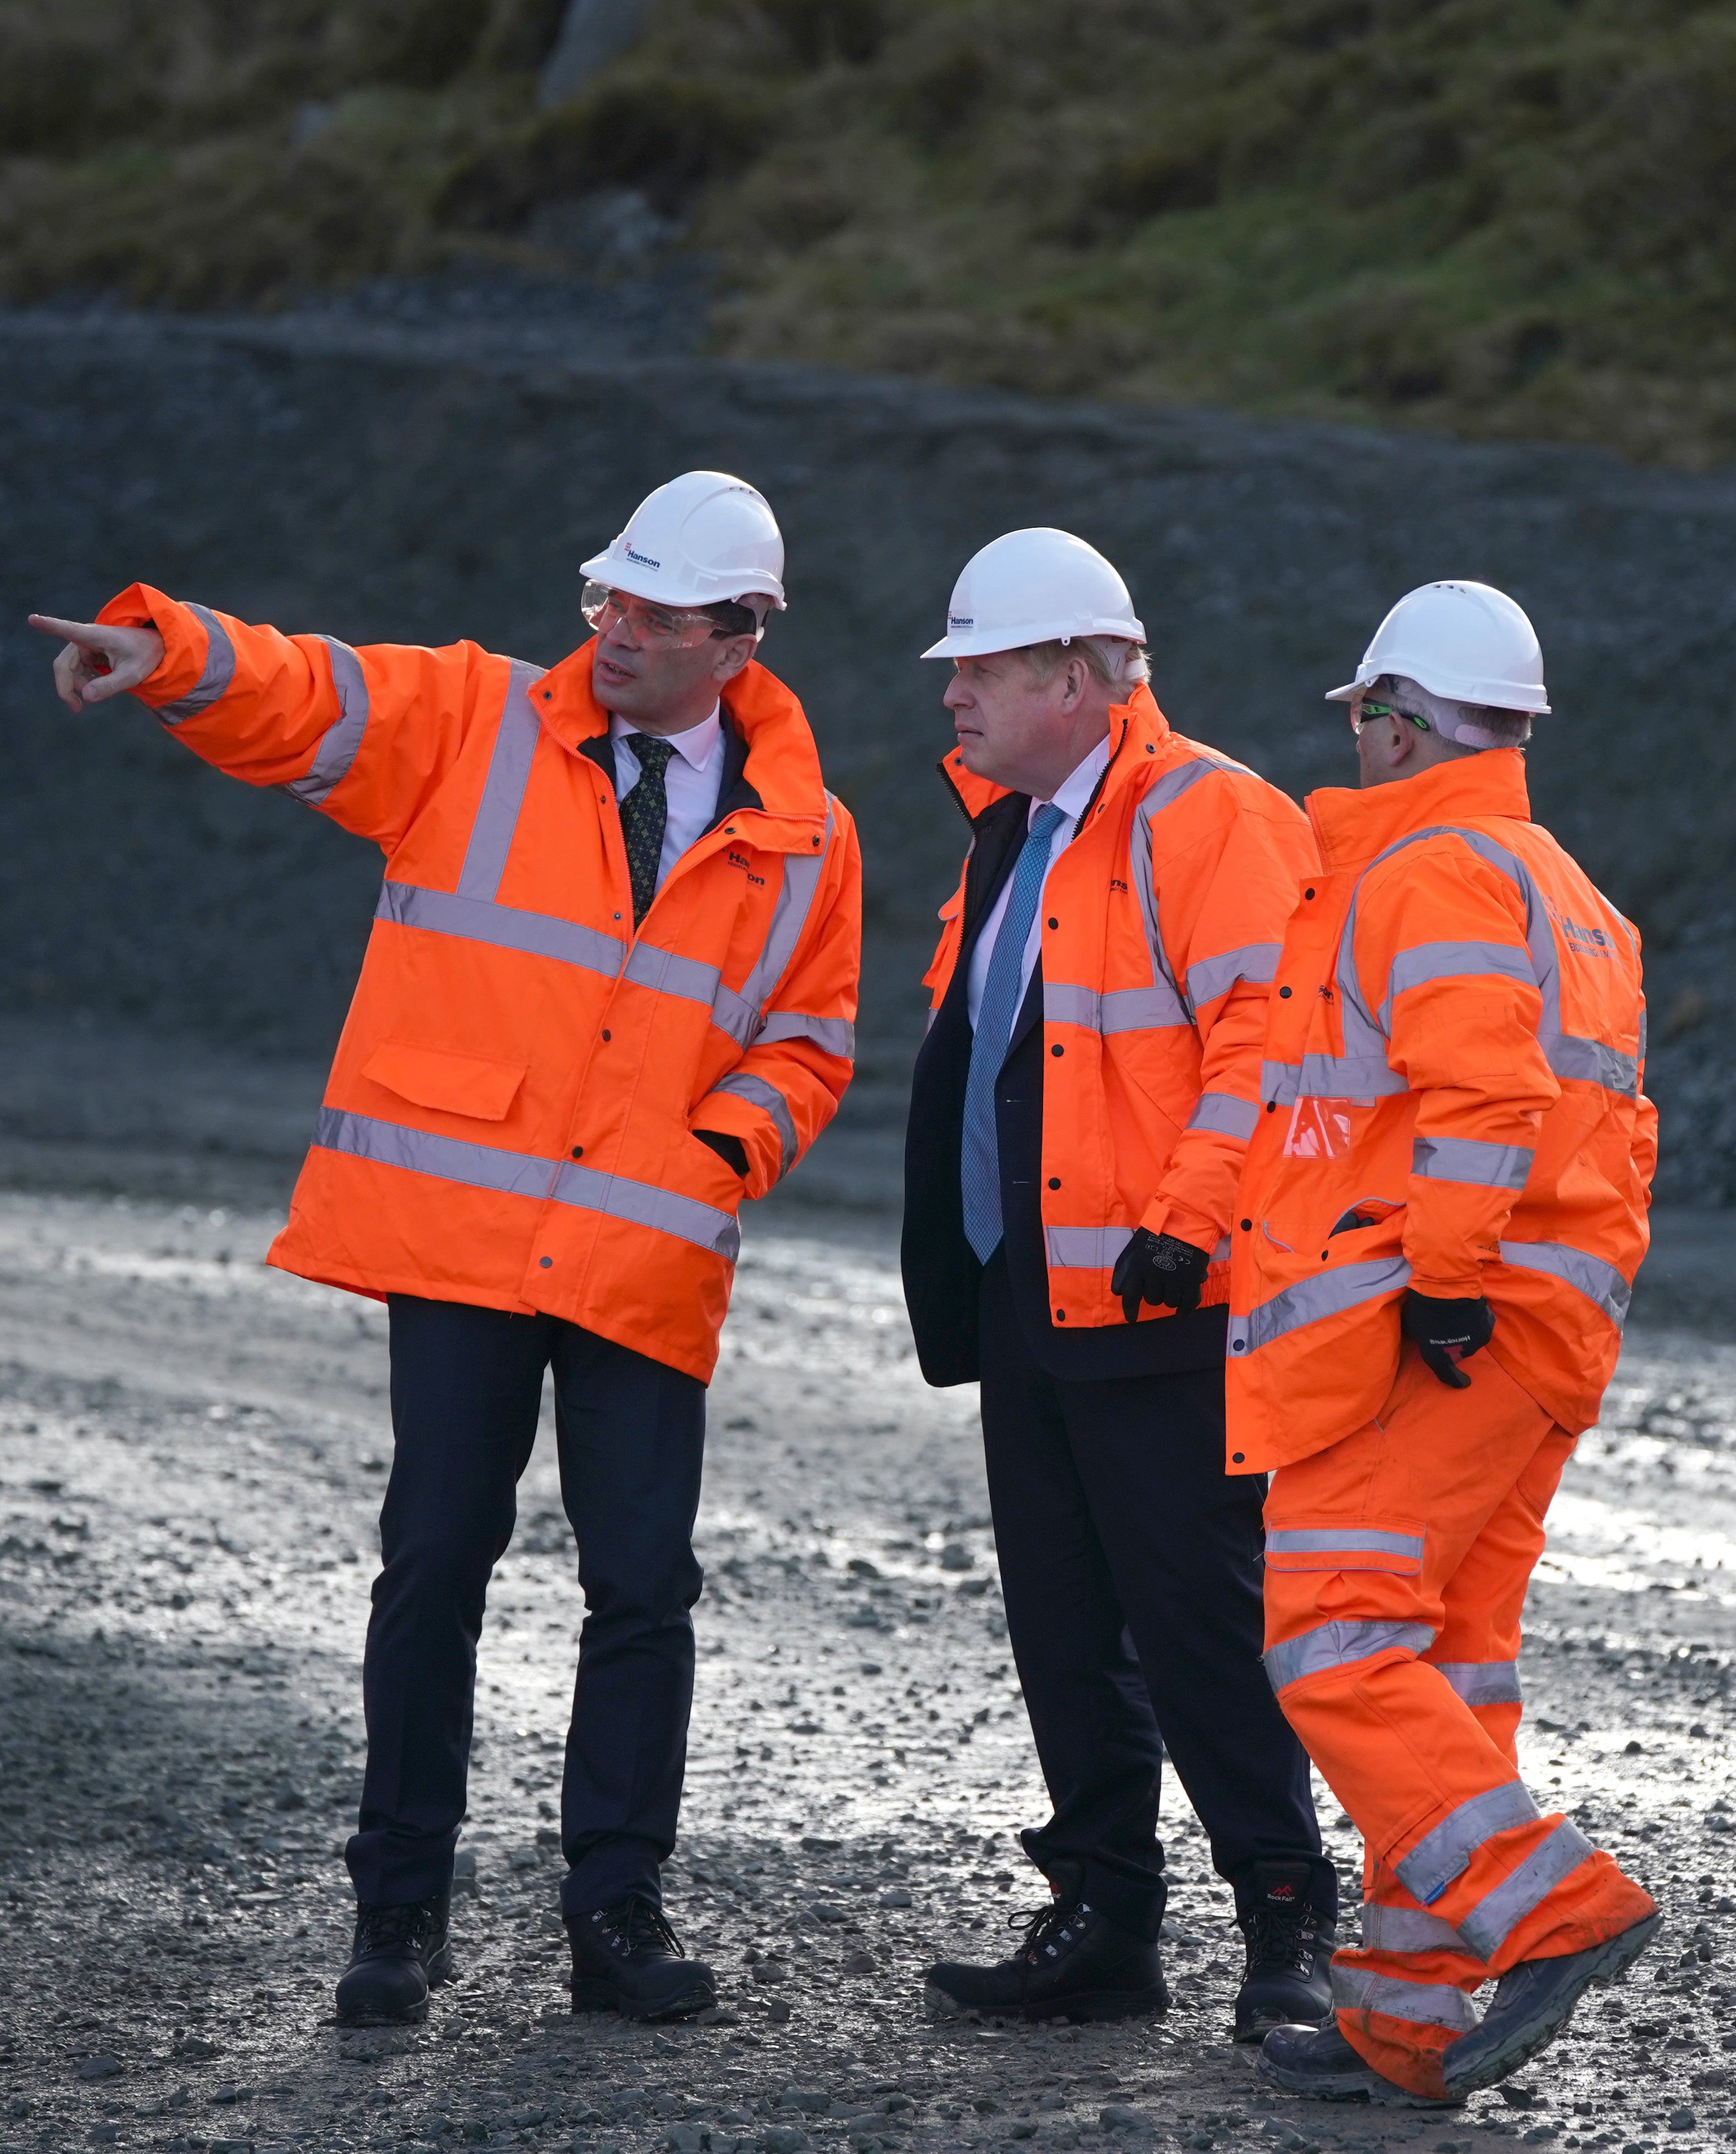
[[696, 745], [1073, 795]]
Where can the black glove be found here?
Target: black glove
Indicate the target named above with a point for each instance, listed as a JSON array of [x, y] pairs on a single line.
[[730, 1150], [1445, 1333], [1158, 1268]]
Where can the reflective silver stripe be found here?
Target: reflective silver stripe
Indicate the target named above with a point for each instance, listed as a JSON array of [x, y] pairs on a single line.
[[1406, 1930], [1330, 1645], [666, 973], [219, 670], [1225, 1113], [1163, 793], [496, 815], [421, 1151], [745, 1085], [1125, 1009], [1331, 1077], [1451, 960], [1598, 1281], [1440, 1855], [1482, 1682], [645, 1205], [1084, 1248], [538, 934], [1465, 1159], [340, 740], [1256, 961], [1330, 1540], [1311, 1300], [1592, 1063], [1435, 2003], [524, 1174], [1499, 1913], [833, 1035], [789, 916], [1279, 1081]]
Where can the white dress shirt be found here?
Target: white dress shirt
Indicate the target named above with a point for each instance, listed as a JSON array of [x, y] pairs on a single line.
[[1072, 797], [691, 779]]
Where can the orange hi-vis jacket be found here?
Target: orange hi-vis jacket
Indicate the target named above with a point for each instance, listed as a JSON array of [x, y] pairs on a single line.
[[1161, 923], [509, 1118], [1451, 1101]]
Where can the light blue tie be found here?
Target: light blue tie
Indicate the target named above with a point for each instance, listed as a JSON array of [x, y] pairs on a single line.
[[1003, 991]]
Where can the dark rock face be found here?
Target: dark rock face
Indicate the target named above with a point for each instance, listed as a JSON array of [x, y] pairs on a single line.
[[384, 479]]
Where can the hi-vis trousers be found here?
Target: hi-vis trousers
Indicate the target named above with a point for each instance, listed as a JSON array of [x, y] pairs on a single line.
[[1396, 1564]]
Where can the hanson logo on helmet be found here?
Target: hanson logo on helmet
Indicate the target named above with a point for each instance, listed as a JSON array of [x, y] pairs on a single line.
[[644, 560]]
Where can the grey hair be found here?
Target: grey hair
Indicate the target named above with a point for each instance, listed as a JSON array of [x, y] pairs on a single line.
[[1473, 726], [1114, 659]]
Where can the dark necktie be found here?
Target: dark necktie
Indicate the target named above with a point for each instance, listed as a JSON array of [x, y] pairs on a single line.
[[643, 814]]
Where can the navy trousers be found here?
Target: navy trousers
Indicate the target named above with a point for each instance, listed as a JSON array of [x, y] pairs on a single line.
[[1130, 1567], [467, 1387]]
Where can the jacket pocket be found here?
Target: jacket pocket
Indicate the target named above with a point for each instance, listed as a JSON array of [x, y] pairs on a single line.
[[453, 1084]]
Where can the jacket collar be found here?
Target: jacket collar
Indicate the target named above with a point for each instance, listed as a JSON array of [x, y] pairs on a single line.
[[776, 767], [1353, 826], [1139, 734]]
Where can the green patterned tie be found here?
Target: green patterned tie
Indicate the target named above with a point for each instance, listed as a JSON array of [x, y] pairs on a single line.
[[643, 814]]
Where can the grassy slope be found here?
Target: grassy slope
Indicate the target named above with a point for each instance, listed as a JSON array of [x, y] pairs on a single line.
[[1508, 217]]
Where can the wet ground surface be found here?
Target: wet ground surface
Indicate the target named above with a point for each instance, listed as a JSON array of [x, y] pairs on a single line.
[[192, 1453]]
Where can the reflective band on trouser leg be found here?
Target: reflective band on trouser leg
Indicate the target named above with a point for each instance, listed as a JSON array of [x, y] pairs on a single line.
[[1406, 1930], [745, 1085], [1330, 1645], [1427, 2003], [1464, 1159], [1343, 1548], [1482, 1682], [219, 672], [1499, 1912], [527, 1174], [343, 738], [1226, 1114], [1441, 1855]]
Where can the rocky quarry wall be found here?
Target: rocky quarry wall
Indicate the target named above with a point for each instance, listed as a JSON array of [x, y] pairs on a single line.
[[385, 479]]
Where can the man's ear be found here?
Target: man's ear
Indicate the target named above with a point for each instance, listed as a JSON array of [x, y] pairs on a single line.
[[732, 656]]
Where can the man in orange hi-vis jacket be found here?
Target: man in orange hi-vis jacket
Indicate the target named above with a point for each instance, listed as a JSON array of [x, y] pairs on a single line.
[[610, 991], [1440, 1219], [1078, 1115]]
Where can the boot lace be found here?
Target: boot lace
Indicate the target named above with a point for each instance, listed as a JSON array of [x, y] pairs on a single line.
[[405, 1928], [1282, 1941], [639, 1925], [1043, 1926]]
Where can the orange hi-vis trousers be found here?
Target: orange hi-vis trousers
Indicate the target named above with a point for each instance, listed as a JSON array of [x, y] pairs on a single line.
[[1396, 1564]]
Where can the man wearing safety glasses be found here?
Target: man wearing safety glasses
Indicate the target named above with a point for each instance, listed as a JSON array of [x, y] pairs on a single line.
[[610, 991], [1440, 1214]]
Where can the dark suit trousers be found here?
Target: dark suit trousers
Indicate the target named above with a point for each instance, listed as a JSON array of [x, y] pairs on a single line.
[[466, 1387], [1131, 1565]]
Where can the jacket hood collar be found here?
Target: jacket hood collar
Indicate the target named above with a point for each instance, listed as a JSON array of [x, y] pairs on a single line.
[[782, 764], [1134, 727], [1353, 826]]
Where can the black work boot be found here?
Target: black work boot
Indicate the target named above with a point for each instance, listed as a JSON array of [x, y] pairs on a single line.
[[399, 1954], [1318, 2061], [1531, 2005], [1290, 1944], [1075, 1964], [627, 1959]]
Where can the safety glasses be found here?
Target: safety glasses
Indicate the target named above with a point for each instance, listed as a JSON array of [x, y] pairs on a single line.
[[1365, 708], [652, 627]]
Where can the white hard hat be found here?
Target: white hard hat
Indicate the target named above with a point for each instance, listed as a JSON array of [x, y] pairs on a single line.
[[703, 538], [1037, 586], [1468, 642]]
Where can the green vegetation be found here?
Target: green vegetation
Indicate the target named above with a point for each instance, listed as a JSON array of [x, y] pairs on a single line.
[[1504, 217]]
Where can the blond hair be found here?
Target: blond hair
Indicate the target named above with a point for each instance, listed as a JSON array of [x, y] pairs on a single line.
[[1115, 661]]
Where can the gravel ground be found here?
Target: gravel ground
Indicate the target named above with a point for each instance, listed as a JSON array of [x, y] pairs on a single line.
[[191, 1452]]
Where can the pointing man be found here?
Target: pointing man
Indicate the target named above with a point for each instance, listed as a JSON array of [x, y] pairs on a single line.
[[1443, 1211], [610, 991], [1080, 1107]]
